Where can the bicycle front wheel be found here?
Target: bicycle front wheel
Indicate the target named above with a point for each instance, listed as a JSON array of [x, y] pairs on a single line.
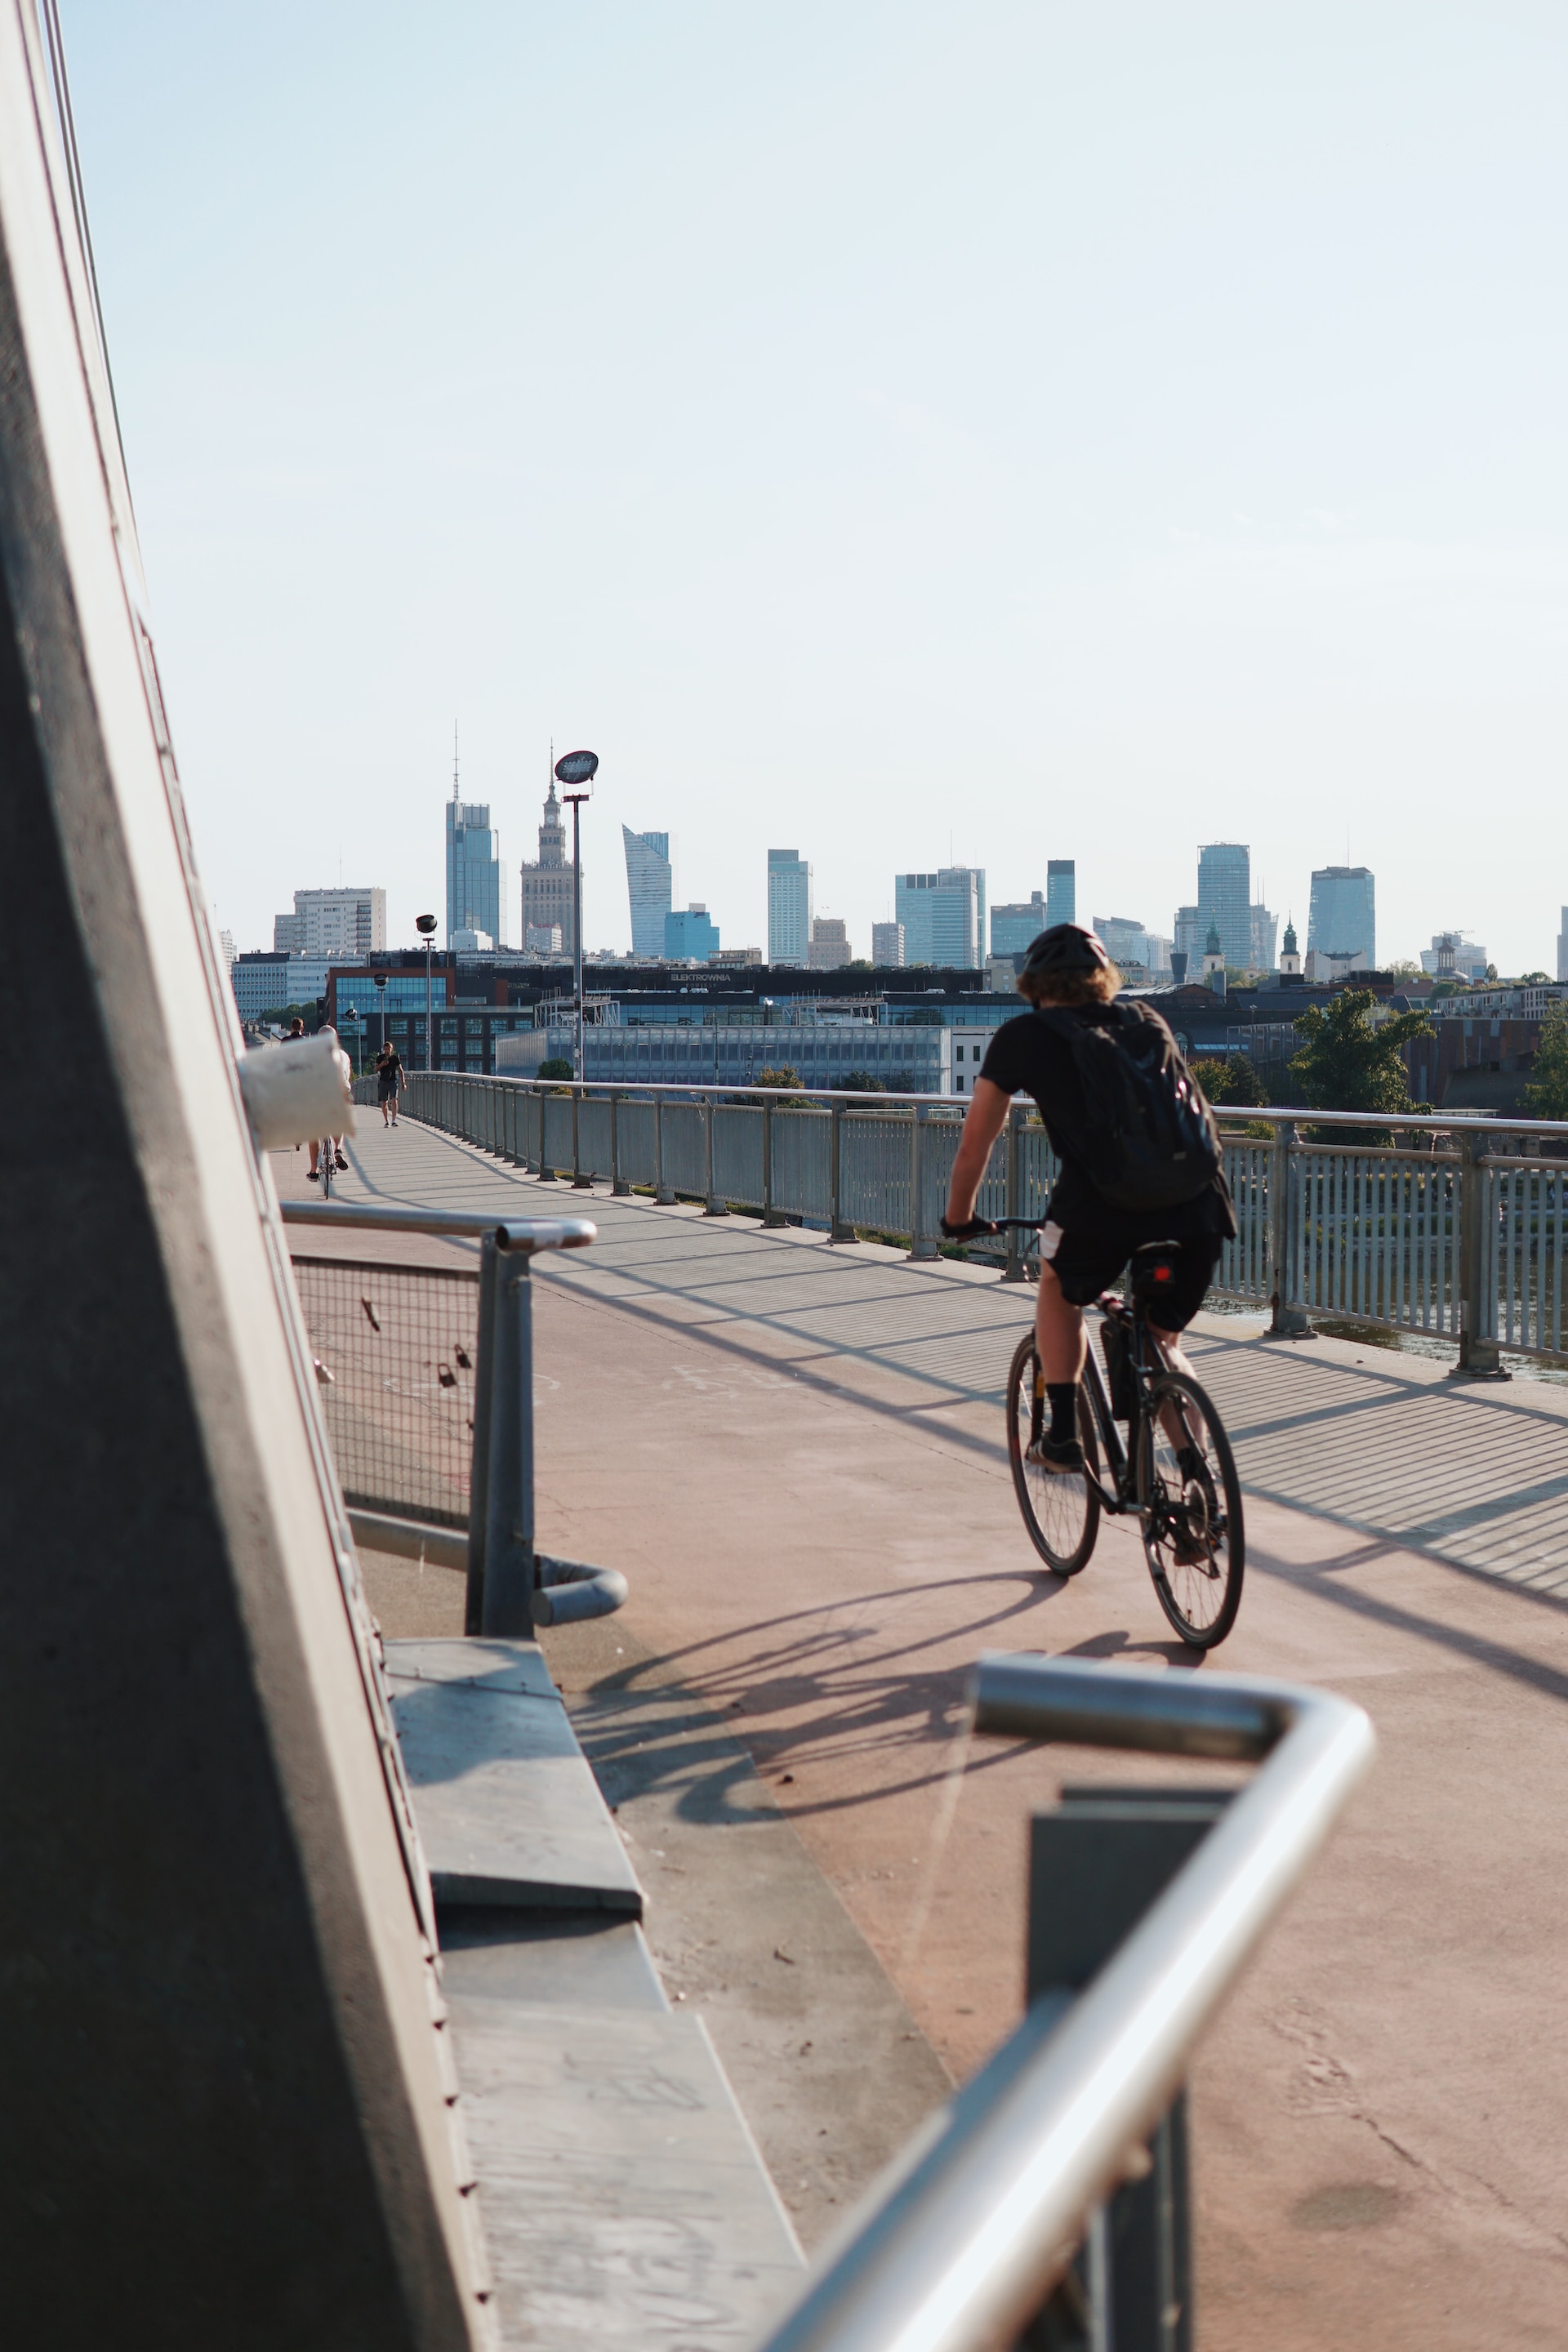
[[1189, 1501], [1062, 1515]]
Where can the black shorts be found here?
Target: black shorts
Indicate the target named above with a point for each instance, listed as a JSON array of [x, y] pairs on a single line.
[[1086, 1264]]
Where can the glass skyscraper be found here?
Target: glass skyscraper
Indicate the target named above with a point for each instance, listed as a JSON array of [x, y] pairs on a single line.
[[476, 885], [1343, 919], [650, 888], [789, 906], [943, 916], [1224, 900], [1061, 890]]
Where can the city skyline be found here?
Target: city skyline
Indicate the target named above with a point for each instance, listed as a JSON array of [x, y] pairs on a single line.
[[787, 549], [474, 866]]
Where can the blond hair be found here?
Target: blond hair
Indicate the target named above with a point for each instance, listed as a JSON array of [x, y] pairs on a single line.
[[1070, 987]]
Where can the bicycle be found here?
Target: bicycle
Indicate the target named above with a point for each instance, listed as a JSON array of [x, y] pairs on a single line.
[[1175, 1472]]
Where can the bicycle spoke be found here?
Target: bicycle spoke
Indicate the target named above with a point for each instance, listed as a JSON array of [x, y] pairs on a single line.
[[1191, 1506], [1061, 1514]]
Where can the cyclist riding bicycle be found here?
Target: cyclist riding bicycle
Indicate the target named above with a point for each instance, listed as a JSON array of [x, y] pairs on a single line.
[[1139, 1154]]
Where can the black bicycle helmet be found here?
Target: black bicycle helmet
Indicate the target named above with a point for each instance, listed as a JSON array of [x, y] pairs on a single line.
[[1064, 948]]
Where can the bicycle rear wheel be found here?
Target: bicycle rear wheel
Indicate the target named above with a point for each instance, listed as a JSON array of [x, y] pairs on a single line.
[[1190, 1503], [1062, 1515]]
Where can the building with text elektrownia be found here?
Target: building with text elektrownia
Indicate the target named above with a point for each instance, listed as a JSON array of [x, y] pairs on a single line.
[[1342, 921], [650, 886], [333, 922], [476, 878], [944, 917], [547, 885], [789, 906]]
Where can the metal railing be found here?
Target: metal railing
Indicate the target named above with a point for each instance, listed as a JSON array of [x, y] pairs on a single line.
[[427, 1380], [1428, 1225], [959, 2246]]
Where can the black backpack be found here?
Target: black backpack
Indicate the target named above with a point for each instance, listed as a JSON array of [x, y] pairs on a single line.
[[1147, 1138]]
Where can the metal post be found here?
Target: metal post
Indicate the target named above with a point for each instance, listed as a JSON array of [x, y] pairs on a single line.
[[509, 1573], [770, 1216], [429, 1019], [546, 1173], [1097, 1863], [1288, 1322], [580, 1182], [715, 1207], [619, 1188], [1014, 1269], [490, 1261], [1480, 1358], [577, 923], [921, 1244], [663, 1197], [837, 1231]]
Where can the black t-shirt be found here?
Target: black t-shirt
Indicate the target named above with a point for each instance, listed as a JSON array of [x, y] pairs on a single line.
[[1027, 1056]]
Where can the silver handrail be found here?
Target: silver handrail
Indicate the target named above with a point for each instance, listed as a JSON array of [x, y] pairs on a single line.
[[962, 2240], [530, 1233]]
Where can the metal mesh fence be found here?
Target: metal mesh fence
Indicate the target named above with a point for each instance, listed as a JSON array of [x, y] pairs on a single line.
[[397, 1348]]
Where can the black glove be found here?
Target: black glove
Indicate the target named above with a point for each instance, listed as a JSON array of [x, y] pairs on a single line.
[[967, 1231]]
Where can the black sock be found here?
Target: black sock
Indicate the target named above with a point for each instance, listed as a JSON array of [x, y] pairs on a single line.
[[1063, 1395]]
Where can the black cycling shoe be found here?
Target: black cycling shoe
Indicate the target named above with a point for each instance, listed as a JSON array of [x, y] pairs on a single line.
[[1061, 1455]]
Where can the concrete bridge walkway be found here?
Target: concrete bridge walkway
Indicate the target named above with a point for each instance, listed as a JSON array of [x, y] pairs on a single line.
[[796, 1455]]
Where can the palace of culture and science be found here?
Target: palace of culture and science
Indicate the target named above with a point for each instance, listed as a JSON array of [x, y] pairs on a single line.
[[547, 887]]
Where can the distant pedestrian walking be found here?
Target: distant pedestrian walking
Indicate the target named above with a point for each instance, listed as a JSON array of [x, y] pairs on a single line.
[[389, 1083]]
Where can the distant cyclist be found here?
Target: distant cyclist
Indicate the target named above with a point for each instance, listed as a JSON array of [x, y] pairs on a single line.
[[1138, 1152]]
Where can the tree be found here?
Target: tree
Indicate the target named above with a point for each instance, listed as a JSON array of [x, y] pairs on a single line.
[[1546, 1096], [556, 1067], [1347, 1063], [862, 1082], [1233, 1083], [785, 1078]]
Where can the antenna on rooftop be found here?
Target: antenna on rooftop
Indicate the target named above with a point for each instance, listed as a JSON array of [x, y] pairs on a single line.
[[454, 760]]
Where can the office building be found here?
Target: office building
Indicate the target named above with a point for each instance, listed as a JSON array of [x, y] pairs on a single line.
[[789, 906], [830, 946], [547, 883], [1061, 890], [1014, 926], [650, 886], [944, 917], [690, 935], [887, 944], [265, 984], [1192, 933], [1342, 921], [1224, 900], [544, 940], [1562, 948], [1125, 941], [333, 922], [1265, 931], [476, 878], [227, 955], [1452, 956]]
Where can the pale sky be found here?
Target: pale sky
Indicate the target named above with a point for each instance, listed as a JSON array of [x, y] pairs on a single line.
[[887, 432]]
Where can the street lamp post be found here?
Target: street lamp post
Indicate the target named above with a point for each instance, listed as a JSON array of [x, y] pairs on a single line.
[[574, 772], [380, 979], [425, 926]]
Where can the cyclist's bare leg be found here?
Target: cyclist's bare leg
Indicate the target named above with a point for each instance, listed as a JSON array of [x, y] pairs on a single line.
[[1058, 1331], [315, 1155], [1170, 1345]]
